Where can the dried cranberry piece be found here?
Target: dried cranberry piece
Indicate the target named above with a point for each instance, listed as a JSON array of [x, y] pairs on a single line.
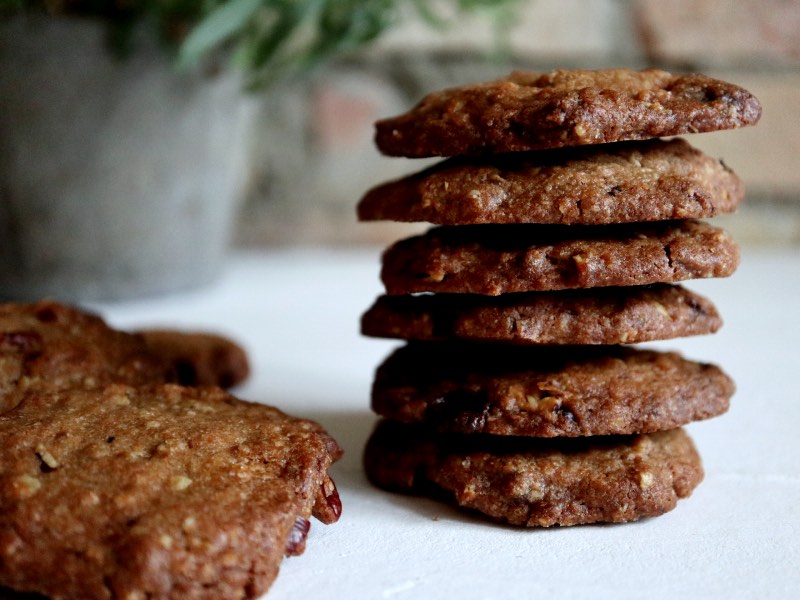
[[327, 505], [296, 542], [21, 341], [463, 410]]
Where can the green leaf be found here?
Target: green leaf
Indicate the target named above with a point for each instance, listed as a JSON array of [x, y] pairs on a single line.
[[220, 24], [429, 15], [269, 39], [273, 39]]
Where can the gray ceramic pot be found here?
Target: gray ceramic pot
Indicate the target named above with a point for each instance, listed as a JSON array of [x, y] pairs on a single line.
[[118, 179]]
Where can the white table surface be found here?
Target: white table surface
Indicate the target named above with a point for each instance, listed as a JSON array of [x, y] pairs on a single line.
[[737, 536]]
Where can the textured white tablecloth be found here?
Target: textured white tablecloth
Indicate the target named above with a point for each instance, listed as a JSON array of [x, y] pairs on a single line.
[[738, 536]]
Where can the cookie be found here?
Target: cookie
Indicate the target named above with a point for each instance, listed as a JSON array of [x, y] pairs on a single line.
[[538, 483], [535, 111], [546, 391], [499, 259], [47, 346], [599, 316], [199, 358], [156, 492], [626, 182]]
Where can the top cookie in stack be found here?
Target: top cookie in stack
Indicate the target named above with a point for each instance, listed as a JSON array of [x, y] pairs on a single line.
[[563, 219], [533, 111]]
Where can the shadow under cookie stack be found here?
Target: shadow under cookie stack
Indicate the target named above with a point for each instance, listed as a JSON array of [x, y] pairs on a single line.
[[563, 224]]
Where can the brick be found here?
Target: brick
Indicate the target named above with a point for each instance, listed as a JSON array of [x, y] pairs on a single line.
[[720, 32], [315, 158]]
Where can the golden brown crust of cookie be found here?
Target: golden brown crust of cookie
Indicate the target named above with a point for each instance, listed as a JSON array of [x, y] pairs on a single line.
[[160, 492], [546, 391], [199, 358], [538, 484], [599, 316], [500, 259], [535, 111], [625, 182]]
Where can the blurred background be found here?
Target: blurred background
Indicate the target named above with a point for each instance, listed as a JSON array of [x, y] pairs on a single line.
[[304, 189], [94, 114]]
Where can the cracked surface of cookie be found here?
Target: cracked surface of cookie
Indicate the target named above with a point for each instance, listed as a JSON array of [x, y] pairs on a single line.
[[538, 483], [500, 259], [546, 391], [535, 111], [156, 491], [590, 185], [598, 316]]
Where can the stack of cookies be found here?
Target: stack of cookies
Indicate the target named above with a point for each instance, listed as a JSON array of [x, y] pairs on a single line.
[[564, 223]]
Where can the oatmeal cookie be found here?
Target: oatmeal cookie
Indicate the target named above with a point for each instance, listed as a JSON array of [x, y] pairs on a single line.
[[546, 391], [626, 182], [48, 346], [625, 315], [535, 111], [199, 358], [538, 484], [500, 259]]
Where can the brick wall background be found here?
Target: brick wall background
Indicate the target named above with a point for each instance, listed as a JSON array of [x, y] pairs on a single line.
[[314, 155]]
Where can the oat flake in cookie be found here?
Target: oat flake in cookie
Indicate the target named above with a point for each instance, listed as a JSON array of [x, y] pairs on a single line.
[[535, 111], [156, 492], [533, 483]]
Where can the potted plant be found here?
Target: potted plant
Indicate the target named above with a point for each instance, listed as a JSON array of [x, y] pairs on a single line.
[[124, 154]]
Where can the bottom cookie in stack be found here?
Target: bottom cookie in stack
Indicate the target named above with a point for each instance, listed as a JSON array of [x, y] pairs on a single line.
[[542, 435], [523, 481]]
